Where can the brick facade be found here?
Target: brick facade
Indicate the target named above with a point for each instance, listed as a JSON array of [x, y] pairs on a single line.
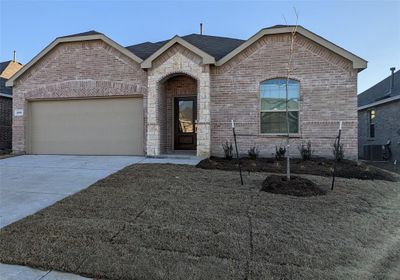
[[76, 70], [328, 94], [231, 91]]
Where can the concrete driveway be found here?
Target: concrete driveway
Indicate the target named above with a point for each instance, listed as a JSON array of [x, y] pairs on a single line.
[[30, 183]]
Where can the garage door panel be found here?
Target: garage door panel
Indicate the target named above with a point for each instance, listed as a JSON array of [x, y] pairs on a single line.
[[89, 127]]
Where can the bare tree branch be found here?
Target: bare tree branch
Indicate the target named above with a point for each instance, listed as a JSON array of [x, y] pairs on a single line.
[[288, 72]]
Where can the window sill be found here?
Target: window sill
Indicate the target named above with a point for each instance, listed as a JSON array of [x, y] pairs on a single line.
[[268, 135]]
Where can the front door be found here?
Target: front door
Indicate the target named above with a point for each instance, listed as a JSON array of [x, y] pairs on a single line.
[[185, 119]]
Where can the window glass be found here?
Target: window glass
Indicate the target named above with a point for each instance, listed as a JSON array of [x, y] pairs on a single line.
[[276, 122], [273, 95], [185, 116], [372, 116], [273, 106]]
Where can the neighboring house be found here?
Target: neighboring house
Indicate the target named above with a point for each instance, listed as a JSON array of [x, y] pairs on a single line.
[[379, 119], [7, 69], [86, 94]]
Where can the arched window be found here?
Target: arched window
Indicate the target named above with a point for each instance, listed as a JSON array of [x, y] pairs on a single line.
[[273, 106]]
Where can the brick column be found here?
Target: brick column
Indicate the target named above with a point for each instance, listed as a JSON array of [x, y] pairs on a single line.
[[203, 125], [153, 126]]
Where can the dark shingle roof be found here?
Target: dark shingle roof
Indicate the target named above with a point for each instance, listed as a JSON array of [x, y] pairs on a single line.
[[87, 33], [213, 45], [3, 88], [144, 50], [380, 91], [3, 65]]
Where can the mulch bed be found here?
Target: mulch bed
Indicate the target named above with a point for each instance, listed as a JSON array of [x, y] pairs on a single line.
[[316, 166], [297, 186], [183, 222]]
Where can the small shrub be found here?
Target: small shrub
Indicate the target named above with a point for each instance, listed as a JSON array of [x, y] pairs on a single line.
[[280, 152], [228, 150], [253, 152], [338, 151], [305, 151]]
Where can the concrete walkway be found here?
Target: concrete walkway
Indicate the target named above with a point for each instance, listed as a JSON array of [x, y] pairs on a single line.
[[18, 272], [30, 183]]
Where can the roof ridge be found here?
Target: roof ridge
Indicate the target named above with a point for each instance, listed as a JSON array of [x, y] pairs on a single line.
[[85, 33], [214, 36], [147, 42]]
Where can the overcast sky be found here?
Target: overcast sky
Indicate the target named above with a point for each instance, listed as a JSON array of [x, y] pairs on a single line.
[[370, 30]]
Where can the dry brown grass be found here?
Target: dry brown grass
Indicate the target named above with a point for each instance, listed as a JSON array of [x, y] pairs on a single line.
[[181, 222]]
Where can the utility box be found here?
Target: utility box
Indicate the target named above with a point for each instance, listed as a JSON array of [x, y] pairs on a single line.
[[373, 152]]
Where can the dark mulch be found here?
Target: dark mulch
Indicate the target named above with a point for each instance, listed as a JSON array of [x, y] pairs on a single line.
[[297, 186], [182, 222], [316, 166]]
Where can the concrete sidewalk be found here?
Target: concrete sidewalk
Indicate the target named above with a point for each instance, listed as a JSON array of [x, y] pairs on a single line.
[[30, 183], [14, 272]]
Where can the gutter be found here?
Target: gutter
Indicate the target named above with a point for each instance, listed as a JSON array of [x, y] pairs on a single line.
[[380, 102], [6, 95]]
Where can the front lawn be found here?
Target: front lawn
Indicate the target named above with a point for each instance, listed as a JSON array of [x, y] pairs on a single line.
[[183, 222]]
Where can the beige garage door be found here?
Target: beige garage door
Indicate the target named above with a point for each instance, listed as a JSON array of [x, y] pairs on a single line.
[[86, 127]]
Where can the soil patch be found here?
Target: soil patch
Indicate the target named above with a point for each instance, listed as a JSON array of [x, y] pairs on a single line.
[[316, 166], [297, 186], [181, 222]]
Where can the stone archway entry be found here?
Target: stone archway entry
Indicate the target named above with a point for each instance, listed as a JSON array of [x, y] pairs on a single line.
[[178, 113], [190, 77]]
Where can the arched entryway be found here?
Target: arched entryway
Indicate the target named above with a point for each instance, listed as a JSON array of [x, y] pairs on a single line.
[[178, 113], [166, 89]]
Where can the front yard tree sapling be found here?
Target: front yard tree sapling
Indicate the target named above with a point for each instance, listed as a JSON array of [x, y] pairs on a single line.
[[288, 72]]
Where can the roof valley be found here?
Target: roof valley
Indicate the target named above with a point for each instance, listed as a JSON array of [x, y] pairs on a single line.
[[215, 46]]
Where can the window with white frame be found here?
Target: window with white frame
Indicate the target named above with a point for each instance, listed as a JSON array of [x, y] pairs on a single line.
[[273, 106], [371, 118]]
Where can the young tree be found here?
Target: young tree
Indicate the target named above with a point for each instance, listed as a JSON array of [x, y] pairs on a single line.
[[288, 73]]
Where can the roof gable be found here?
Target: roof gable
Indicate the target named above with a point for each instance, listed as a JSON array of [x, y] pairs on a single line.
[[358, 63], [207, 59], [86, 36]]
